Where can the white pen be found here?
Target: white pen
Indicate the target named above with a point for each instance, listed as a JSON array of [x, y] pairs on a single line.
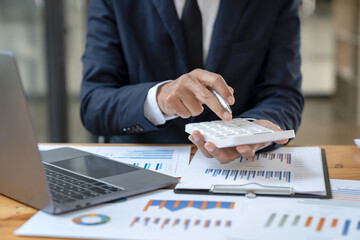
[[222, 101]]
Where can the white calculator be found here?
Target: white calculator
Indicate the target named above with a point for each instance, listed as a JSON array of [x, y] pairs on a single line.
[[236, 132]]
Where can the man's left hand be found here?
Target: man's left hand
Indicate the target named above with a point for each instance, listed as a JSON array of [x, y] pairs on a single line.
[[226, 155]]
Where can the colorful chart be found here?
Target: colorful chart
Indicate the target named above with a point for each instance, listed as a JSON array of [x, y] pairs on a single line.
[[170, 160], [341, 196], [158, 166], [189, 215], [150, 156], [346, 194], [177, 222], [91, 219], [227, 174], [175, 205], [282, 157], [146, 154], [161, 160], [316, 224]]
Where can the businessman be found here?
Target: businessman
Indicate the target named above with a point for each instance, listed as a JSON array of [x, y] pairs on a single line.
[[150, 66]]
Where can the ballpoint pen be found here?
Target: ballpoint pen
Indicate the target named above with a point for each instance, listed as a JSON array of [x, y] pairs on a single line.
[[222, 101]]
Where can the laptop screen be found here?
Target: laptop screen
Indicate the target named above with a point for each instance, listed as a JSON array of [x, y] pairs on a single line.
[[93, 166]]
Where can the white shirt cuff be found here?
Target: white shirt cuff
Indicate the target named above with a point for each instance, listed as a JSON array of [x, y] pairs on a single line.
[[152, 111]]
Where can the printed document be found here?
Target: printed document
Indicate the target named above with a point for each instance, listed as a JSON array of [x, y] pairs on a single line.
[[170, 160], [298, 167], [298, 219], [157, 215]]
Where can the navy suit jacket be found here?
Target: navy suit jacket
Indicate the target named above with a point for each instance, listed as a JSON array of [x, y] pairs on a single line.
[[133, 44]]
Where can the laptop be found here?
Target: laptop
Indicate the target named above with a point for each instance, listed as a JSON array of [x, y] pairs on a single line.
[[59, 180]]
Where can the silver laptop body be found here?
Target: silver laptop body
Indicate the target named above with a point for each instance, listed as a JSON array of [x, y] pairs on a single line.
[[23, 167]]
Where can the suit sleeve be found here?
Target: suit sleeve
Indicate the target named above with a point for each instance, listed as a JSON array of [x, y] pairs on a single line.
[[110, 103], [278, 96]]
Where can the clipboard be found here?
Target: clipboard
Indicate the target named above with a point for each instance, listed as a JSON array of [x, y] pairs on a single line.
[[252, 189]]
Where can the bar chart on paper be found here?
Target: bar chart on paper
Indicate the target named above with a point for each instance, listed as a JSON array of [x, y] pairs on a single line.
[[345, 193], [253, 169], [161, 160], [300, 219], [166, 160], [313, 224], [180, 223], [151, 159], [227, 174], [160, 215], [280, 157], [175, 205], [170, 160], [185, 215], [299, 168]]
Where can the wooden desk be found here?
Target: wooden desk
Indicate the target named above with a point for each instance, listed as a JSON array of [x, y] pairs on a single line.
[[343, 163]]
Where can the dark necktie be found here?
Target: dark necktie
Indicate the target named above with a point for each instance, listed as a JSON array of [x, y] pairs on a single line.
[[192, 27]]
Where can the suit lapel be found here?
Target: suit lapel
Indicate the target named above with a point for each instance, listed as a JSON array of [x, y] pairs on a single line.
[[167, 12], [229, 15]]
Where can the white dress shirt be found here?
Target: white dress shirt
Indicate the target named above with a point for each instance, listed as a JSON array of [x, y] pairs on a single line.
[[208, 9]]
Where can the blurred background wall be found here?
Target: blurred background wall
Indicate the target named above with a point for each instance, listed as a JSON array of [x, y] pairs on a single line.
[[48, 38], [31, 30]]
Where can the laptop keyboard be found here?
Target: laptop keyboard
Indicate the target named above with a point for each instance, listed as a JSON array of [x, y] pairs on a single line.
[[66, 187]]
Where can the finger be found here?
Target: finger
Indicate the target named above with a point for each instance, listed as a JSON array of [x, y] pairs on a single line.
[[198, 83], [187, 88], [283, 141], [223, 155], [216, 82], [231, 90], [192, 104], [205, 96], [267, 124], [272, 126], [199, 141], [174, 102], [178, 108], [246, 151]]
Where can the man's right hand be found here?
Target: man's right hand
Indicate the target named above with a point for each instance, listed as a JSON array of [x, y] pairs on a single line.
[[184, 96]]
